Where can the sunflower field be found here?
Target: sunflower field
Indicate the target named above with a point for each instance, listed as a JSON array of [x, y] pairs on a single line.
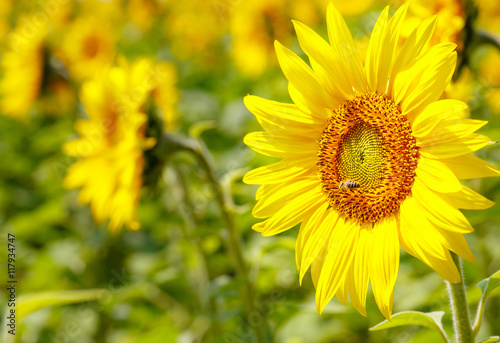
[[232, 171]]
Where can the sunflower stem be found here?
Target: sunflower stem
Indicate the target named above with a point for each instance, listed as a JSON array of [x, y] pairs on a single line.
[[204, 157], [459, 307]]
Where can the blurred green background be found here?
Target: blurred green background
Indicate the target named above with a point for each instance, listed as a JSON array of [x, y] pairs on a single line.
[[160, 288]]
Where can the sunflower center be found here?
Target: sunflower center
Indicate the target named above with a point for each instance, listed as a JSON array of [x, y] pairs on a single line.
[[367, 158], [361, 155]]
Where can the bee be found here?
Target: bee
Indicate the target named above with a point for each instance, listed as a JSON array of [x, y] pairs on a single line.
[[348, 184]]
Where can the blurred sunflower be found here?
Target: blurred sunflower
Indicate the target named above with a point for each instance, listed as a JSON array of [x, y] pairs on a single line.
[[489, 15], [451, 19], [5, 10], [112, 144], [88, 46], [370, 159], [23, 68], [165, 93], [491, 77], [349, 8], [143, 13], [194, 28], [255, 25]]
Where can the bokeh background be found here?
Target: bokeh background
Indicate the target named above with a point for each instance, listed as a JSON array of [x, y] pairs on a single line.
[[174, 280]]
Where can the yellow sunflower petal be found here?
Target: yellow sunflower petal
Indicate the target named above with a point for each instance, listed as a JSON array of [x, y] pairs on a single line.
[[343, 45], [379, 73], [384, 263], [358, 278], [314, 238], [457, 147], [467, 199], [328, 70], [306, 228], [456, 242], [277, 116], [294, 212], [412, 48], [302, 77], [339, 255], [445, 268], [418, 233], [374, 53], [341, 293], [280, 145], [425, 81], [305, 105], [268, 205], [317, 264], [437, 176], [259, 227], [449, 130], [470, 167], [264, 190], [438, 211], [281, 171], [426, 121]]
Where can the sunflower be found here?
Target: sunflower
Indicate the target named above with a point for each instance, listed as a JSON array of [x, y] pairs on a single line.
[[451, 19], [491, 78], [165, 93], [255, 25], [489, 15], [112, 143], [22, 66], [88, 47], [370, 159], [194, 28], [5, 10]]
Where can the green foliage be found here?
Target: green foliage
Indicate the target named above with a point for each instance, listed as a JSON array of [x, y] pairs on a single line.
[[492, 339], [29, 303], [432, 320], [486, 286]]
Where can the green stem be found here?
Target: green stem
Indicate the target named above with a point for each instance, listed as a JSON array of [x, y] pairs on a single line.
[[459, 307], [479, 317], [175, 143], [189, 230]]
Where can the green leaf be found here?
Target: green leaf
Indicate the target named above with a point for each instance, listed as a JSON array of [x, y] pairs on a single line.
[[486, 286], [491, 339], [431, 320], [29, 303], [489, 284]]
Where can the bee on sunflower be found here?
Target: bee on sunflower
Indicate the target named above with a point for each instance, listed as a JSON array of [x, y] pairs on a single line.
[[381, 126]]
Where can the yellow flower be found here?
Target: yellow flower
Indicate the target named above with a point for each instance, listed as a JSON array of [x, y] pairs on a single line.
[[489, 15], [370, 159], [22, 65], [491, 76], [166, 94], [112, 143], [488, 70], [451, 19], [143, 13], [255, 25], [356, 7], [88, 47], [5, 9], [193, 27]]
